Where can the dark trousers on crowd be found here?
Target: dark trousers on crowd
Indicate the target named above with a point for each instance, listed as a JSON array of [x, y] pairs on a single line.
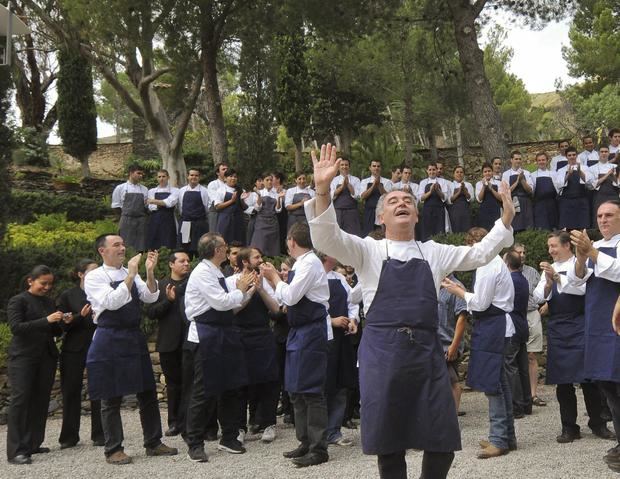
[[568, 406], [72, 366], [311, 421], [287, 407], [200, 409], [31, 382], [172, 367], [435, 465], [265, 398], [113, 425], [517, 372], [612, 393]]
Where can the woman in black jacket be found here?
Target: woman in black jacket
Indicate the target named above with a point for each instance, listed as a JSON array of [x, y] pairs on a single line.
[[34, 321], [79, 329]]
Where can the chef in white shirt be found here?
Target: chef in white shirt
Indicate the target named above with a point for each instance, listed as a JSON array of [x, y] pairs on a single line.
[[573, 180], [162, 200], [295, 199], [129, 199], [589, 156], [344, 190], [193, 208], [370, 190], [614, 144], [213, 187], [545, 194], [405, 183], [560, 160], [604, 180], [521, 185]]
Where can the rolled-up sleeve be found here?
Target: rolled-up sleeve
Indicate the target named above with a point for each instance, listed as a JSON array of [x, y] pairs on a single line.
[[304, 279]]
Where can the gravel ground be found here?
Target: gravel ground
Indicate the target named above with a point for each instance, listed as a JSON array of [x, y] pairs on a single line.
[[539, 455]]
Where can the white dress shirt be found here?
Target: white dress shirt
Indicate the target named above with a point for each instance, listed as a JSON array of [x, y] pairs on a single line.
[[213, 188], [546, 174], [605, 267], [443, 185], [602, 169], [231, 283], [272, 193], [118, 195], [553, 166], [366, 255], [203, 194], [357, 295], [526, 174], [354, 181], [221, 193], [204, 292], [102, 296], [251, 202], [480, 185], [172, 199], [288, 199], [455, 185], [493, 286], [310, 280], [353, 308], [586, 156], [563, 285], [562, 180], [363, 186]]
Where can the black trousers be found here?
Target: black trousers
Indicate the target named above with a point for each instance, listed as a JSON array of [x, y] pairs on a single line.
[[311, 421], [517, 371], [265, 396], [172, 367], [435, 465], [72, 366], [200, 407], [612, 393], [287, 406], [31, 380], [568, 406], [113, 425]]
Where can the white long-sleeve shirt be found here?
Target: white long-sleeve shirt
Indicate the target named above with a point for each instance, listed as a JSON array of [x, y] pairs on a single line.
[[553, 166], [564, 286], [310, 280], [354, 181], [204, 194], [291, 192], [213, 187], [352, 307], [510, 172], [443, 184], [172, 199], [363, 186], [562, 180], [455, 185], [366, 255], [493, 286], [586, 156], [546, 174], [272, 193], [480, 185], [118, 195], [102, 296], [602, 169], [221, 194], [204, 292], [606, 267]]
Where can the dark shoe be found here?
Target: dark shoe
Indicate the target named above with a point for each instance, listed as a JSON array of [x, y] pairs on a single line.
[[211, 436], [98, 442], [349, 424], [288, 419], [614, 467], [604, 433], [536, 401], [484, 444], [172, 431], [118, 458], [67, 445], [518, 415], [310, 459], [299, 452], [613, 454], [234, 447], [161, 450], [20, 460], [568, 436], [41, 450], [198, 454], [461, 413]]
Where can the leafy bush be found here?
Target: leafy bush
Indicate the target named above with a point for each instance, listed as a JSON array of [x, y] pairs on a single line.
[[5, 339], [31, 148], [26, 205]]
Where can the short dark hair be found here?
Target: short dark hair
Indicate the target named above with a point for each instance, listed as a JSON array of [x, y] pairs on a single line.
[[80, 267], [280, 176], [513, 153], [585, 137], [207, 244], [396, 167], [345, 158], [562, 236], [375, 161], [230, 172], [488, 165], [496, 158], [616, 203], [613, 131], [244, 255], [172, 257], [431, 163], [36, 272], [300, 233], [570, 149], [218, 166], [163, 170], [197, 170], [133, 167], [234, 244], [101, 239], [513, 260]]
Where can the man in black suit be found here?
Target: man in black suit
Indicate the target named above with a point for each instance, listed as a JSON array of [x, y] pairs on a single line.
[[172, 330]]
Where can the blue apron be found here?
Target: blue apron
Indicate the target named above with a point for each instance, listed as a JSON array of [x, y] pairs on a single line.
[[162, 226], [545, 204], [602, 351], [460, 215], [341, 370], [132, 225], [298, 215], [591, 163], [221, 350], [306, 347], [118, 360], [487, 350], [565, 338], [573, 205], [193, 210], [489, 211], [266, 236], [433, 215], [525, 218], [370, 207], [347, 214], [405, 394], [259, 344], [230, 220]]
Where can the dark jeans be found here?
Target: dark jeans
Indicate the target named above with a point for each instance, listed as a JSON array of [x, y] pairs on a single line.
[[311, 421], [336, 405], [200, 409], [113, 425], [265, 396], [71, 378], [568, 406], [435, 465], [172, 367], [612, 393], [517, 372], [287, 406], [31, 382]]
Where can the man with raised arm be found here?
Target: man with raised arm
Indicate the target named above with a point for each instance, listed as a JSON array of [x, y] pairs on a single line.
[[404, 383]]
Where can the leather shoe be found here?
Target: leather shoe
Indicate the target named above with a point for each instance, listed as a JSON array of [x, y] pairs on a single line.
[[300, 451], [568, 436], [118, 458], [484, 444], [41, 450], [172, 431], [491, 451], [613, 456], [604, 433], [310, 459], [161, 450], [20, 459]]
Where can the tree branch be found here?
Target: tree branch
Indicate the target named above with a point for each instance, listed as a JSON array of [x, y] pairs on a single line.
[[146, 81], [120, 89], [477, 7], [186, 114]]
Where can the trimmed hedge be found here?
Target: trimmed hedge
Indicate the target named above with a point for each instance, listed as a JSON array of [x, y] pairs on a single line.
[[26, 205]]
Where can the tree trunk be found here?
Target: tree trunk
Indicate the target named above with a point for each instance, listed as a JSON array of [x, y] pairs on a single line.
[[409, 124], [346, 139], [299, 157], [432, 144], [459, 140], [171, 160], [85, 166], [215, 114], [477, 85]]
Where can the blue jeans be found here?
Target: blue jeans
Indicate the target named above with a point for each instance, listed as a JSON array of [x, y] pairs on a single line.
[[336, 405], [502, 427]]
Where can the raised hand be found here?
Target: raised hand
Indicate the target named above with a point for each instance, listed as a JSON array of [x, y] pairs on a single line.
[[325, 168], [508, 206], [171, 292], [244, 282], [133, 263], [548, 270], [151, 260]]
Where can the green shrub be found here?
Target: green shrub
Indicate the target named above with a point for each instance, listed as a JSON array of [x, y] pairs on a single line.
[[26, 205], [5, 339]]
